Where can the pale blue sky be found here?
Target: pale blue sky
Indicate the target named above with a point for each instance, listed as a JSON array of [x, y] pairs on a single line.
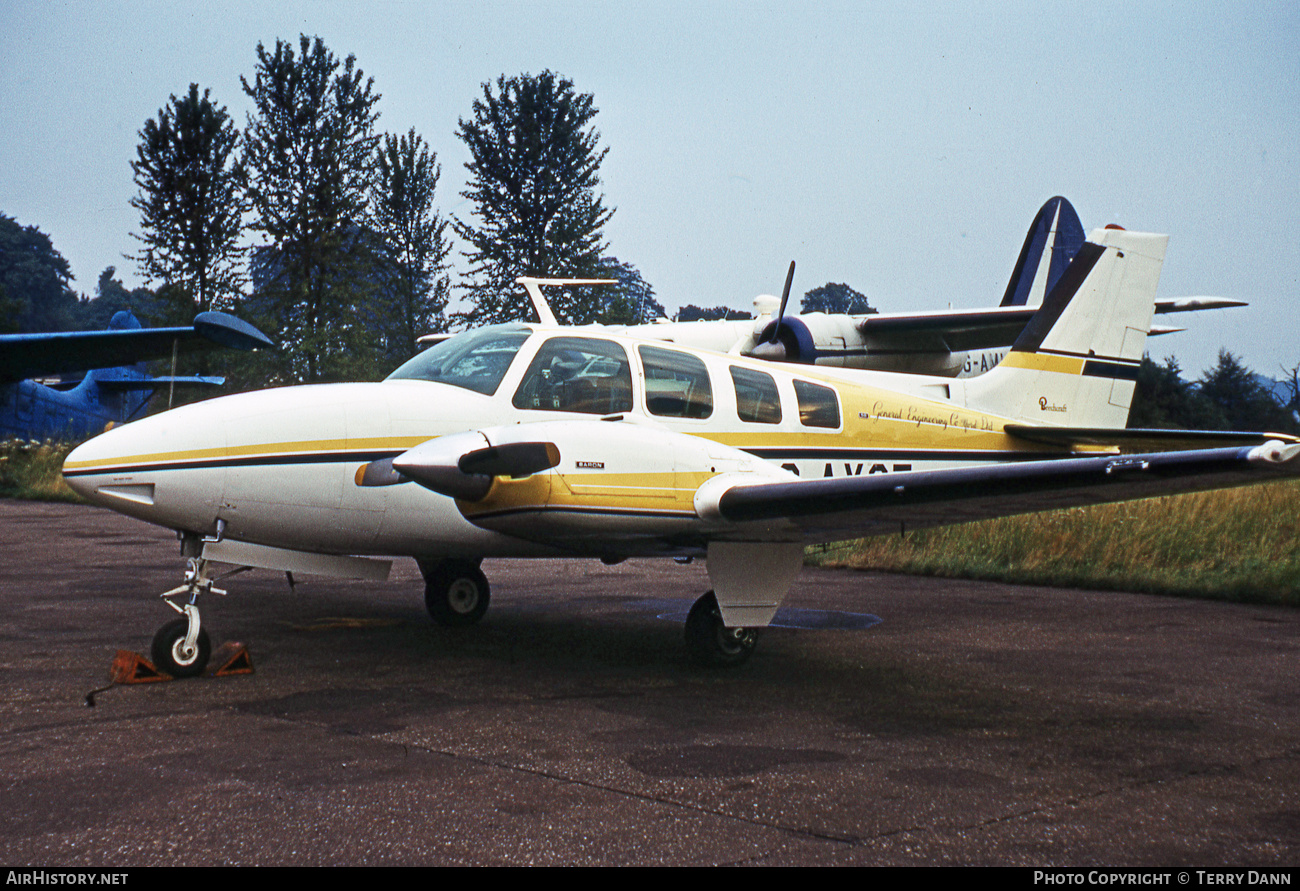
[[902, 152]]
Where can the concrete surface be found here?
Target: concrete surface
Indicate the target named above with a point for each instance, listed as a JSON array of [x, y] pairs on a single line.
[[976, 724]]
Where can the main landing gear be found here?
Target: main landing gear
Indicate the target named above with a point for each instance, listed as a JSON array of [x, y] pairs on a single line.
[[456, 592], [710, 642], [181, 647]]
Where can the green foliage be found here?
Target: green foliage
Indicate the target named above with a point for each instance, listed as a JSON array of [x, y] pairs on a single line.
[[414, 245], [631, 301], [692, 313], [32, 471], [111, 296], [1233, 544], [1241, 399], [10, 310], [1228, 397], [835, 298], [307, 160], [35, 279], [1163, 400], [190, 205], [534, 176]]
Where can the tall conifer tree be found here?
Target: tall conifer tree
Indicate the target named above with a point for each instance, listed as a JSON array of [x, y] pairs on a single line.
[[534, 181], [190, 204], [308, 158], [415, 247]]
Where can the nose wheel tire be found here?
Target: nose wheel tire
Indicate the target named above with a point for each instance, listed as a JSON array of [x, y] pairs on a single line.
[[456, 593], [170, 655], [711, 643]]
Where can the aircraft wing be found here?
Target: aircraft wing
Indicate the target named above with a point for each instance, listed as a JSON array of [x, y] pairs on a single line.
[[34, 355], [154, 384], [954, 330], [546, 488], [958, 330], [852, 507]]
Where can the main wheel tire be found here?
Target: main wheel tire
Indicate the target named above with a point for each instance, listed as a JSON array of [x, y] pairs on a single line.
[[456, 593], [710, 642], [168, 650]]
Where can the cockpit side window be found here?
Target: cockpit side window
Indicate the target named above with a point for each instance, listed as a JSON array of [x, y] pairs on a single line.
[[475, 360], [818, 406], [676, 384], [756, 396], [577, 374]]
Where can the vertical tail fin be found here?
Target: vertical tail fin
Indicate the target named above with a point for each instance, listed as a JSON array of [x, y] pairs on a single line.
[[1075, 363], [1053, 240]]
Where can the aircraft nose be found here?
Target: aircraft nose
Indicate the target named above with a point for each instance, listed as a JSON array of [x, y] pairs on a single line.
[[91, 464]]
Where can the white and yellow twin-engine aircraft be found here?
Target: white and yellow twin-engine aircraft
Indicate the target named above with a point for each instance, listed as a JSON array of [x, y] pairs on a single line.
[[543, 441]]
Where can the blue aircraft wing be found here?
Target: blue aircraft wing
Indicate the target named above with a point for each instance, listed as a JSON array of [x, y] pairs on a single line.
[[35, 355]]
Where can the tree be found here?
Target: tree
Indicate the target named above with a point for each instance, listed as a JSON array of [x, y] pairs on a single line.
[[630, 302], [1227, 397], [534, 177], [415, 247], [1162, 399], [35, 279], [307, 159], [1244, 403], [1291, 388], [9, 312], [190, 204], [112, 296], [835, 298], [692, 313]]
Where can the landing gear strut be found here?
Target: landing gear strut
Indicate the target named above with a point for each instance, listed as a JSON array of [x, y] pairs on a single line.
[[181, 647], [456, 592], [710, 642]]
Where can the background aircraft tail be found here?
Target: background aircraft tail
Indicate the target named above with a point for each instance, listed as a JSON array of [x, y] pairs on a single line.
[[1076, 362], [1054, 239]]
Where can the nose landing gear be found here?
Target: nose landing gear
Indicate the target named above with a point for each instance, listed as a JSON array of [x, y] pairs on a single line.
[[181, 648]]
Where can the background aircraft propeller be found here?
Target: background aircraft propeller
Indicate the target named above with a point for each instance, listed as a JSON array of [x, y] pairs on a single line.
[[771, 346]]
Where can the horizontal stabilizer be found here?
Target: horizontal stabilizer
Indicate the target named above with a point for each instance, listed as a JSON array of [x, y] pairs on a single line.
[[1193, 304]]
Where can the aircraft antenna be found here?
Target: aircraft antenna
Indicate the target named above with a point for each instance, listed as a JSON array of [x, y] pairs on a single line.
[[534, 288]]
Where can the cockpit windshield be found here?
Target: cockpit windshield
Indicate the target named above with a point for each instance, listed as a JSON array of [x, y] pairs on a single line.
[[476, 360]]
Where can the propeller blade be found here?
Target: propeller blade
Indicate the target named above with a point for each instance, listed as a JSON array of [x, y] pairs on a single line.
[[459, 466], [514, 459], [785, 297]]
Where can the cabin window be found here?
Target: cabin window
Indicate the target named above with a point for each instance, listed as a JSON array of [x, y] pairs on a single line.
[[756, 396], [475, 360], [818, 406], [577, 374], [676, 384]]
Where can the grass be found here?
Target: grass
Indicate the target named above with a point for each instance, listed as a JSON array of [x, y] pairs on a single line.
[[1231, 544], [30, 470]]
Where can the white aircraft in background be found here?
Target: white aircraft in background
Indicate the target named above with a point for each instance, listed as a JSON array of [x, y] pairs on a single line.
[[950, 343], [545, 441]]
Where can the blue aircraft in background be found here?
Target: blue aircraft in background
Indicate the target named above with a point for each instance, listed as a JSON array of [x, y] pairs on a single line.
[[116, 387]]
